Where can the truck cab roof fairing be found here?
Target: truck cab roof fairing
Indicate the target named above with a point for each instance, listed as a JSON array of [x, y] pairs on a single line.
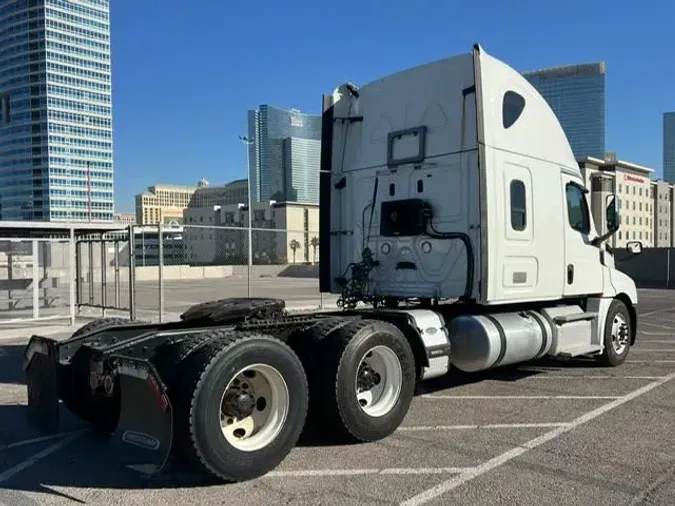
[[536, 132]]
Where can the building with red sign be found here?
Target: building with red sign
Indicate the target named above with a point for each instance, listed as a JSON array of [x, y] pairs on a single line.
[[633, 185]]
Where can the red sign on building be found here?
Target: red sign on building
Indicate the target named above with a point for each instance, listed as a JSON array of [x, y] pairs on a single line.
[[634, 179]]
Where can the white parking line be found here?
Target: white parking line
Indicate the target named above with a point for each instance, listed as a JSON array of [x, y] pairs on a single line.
[[650, 362], [505, 457], [361, 472], [520, 397], [652, 350], [657, 311], [663, 327], [34, 440], [35, 458], [598, 377], [493, 426]]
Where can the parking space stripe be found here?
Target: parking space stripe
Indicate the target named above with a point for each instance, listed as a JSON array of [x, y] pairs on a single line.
[[505, 457], [650, 361], [492, 426], [590, 377], [34, 440], [658, 326], [35, 458], [657, 311], [652, 350], [520, 397], [361, 472]]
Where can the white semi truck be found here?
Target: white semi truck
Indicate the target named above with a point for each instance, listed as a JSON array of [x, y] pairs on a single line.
[[455, 226]]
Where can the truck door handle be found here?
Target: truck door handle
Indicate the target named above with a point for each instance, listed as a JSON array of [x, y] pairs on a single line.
[[570, 274]]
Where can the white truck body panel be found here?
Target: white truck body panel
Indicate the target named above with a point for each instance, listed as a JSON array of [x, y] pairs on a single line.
[[494, 164], [448, 175]]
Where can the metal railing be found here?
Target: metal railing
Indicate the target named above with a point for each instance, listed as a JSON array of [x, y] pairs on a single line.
[[39, 269], [154, 272], [104, 273]]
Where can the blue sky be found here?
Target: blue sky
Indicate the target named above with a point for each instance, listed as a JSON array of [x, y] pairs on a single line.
[[185, 73]]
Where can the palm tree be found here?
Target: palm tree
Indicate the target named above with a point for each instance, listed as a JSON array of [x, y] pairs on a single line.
[[314, 242], [294, 245]]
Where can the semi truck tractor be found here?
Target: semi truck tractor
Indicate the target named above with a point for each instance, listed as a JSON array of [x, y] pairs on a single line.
[[455, 227]]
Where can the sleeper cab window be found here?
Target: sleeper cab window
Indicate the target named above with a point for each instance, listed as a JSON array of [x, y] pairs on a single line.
[[518, 209], [512, 107]]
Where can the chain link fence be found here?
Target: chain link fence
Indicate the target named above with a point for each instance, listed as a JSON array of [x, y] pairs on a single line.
[[189, 264]]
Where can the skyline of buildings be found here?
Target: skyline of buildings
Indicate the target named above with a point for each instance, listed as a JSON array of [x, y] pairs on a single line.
[[56, 132], [56, 141], [576, 93]]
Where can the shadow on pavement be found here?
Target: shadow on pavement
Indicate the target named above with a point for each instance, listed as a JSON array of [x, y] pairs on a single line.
[[92, 463], [11, 364]]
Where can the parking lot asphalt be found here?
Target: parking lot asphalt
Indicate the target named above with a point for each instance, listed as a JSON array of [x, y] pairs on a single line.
[[551, 432]]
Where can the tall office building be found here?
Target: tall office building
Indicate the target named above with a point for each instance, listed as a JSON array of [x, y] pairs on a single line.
[[284, 156], [576, 93], [56, 146], [669, 147]]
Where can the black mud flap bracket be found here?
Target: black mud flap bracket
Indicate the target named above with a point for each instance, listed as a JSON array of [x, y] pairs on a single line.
[[40, 364], [145, 428]]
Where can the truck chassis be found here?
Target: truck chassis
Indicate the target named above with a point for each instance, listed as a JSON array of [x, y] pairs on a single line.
[[231, 385]]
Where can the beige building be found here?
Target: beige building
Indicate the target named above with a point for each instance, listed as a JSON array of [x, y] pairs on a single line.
[[284, 232], [234, 192], [662, 195], [634, 189], [125, 218], [163, 203]]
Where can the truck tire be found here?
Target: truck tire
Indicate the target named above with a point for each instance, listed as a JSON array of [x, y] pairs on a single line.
[[366, 380], [240, 405], [617, 335]]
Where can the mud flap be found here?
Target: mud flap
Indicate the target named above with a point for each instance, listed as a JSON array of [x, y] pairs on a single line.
[[40, 365], [145, 428]]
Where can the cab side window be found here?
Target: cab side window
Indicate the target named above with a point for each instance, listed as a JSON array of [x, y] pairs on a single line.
[[518, 205], [577, 209]]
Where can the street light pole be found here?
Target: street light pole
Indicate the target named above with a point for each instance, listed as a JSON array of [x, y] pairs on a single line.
[[248, 142]]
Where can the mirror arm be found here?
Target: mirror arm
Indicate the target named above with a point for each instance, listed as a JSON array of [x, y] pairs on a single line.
[[600, 239]]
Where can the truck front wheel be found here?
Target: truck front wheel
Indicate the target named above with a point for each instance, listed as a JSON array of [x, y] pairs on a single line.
[[617, 335], [366, 381]]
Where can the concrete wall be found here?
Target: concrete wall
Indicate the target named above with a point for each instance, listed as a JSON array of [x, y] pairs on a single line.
[[653, 268], [174, 272]]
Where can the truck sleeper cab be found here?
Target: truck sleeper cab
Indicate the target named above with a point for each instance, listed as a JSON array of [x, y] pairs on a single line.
[[455, 227]]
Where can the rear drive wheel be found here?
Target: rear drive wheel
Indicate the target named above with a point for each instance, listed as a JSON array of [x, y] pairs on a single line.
[[617, 334], [366, 382], [240, 406]]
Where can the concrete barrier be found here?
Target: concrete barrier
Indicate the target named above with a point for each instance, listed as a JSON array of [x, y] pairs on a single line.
[[652, 268]]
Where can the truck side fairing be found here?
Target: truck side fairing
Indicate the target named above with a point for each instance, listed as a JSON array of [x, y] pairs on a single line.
[[463, 146]]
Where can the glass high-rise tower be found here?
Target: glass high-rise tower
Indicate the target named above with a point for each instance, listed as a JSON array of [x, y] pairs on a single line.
[[576, 93], [56, 146], [669, 147], [285, 155]]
